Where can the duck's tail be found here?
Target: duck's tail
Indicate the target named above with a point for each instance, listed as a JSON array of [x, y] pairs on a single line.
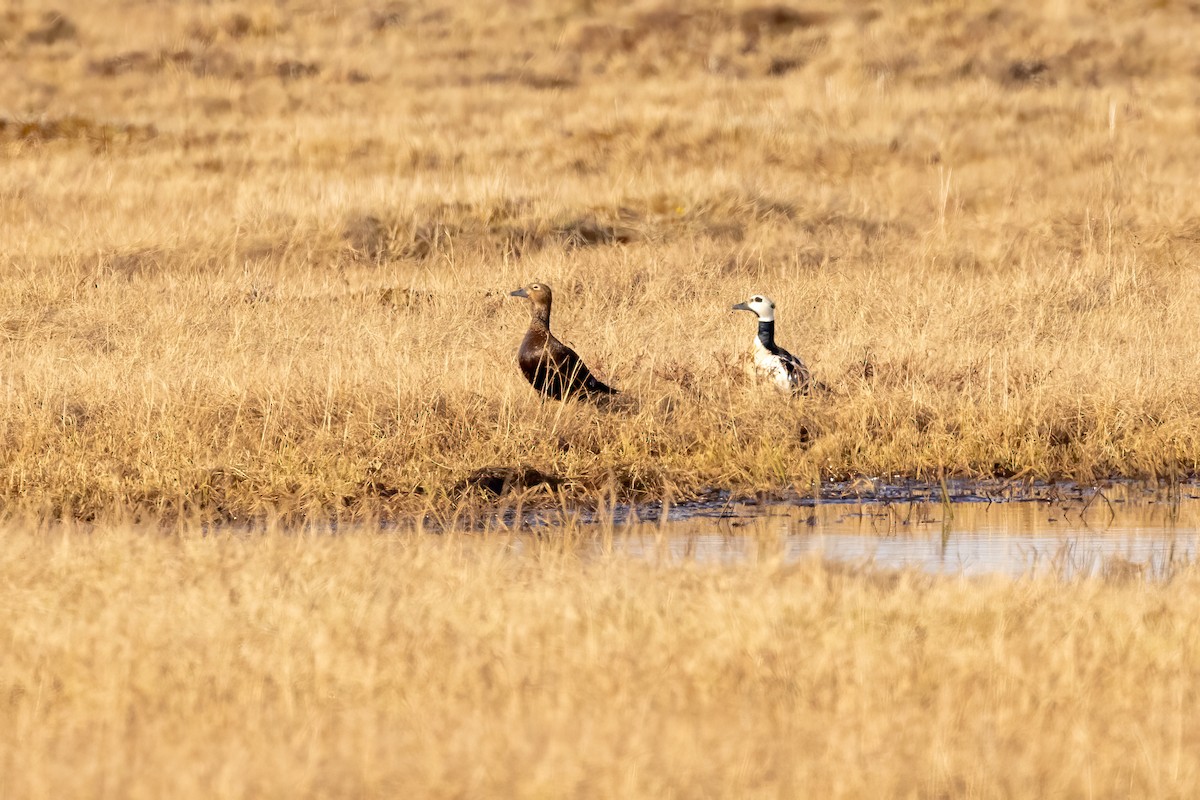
[[602, 389]]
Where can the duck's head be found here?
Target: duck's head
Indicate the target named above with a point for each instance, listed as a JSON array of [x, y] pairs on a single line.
[[761, 305], [539, 296], [538, 293]]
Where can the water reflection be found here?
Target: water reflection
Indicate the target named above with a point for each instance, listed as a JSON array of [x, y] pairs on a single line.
[[1111, 538]]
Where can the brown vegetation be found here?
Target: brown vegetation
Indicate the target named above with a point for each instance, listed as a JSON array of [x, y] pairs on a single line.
[[139, 664], [255, 263], [256, 256]]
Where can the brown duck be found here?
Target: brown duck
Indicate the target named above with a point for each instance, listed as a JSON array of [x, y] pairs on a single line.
[[550, 366]]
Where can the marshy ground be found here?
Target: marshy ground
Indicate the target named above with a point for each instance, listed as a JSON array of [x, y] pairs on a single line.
[[255, 264], [286, 664]]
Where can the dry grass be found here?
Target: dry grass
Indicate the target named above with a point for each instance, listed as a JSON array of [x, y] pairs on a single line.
[[256, 255], [141, 666], [255, 261]]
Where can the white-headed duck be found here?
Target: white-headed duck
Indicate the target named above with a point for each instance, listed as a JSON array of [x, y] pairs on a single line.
[[550, 366]]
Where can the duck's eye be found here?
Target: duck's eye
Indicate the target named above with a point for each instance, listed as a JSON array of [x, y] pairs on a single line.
[[756, 300], [534, 286]]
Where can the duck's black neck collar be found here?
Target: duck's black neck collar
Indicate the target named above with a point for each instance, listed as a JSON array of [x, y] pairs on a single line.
[[766, 333]]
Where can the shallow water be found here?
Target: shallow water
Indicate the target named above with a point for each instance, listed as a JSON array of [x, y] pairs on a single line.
[[1126, 536]]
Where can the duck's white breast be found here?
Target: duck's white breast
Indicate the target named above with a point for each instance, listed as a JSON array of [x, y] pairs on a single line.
[[771, 366]]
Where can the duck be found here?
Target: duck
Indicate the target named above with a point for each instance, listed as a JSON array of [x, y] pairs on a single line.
[[770, 361], [553, 369]]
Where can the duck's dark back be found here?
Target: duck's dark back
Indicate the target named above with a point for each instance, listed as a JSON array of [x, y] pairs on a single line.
[[554, 369]]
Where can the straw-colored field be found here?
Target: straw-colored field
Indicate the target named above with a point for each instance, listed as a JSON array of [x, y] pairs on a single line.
[[365, 665], [256, 256], [255, 260]]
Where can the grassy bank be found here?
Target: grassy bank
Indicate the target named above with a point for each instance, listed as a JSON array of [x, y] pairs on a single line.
[[141, 665], [256, 257]]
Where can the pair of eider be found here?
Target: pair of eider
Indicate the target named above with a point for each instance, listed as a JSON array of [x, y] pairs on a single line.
[[557, 371]]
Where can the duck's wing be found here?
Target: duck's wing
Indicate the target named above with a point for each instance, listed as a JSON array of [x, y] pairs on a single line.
[[571, 373], [797, 373]]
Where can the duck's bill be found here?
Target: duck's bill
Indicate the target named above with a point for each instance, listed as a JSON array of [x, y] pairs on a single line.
[[742, 307], [519, 293]]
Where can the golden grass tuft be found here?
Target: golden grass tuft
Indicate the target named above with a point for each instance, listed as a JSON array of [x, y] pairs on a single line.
[[256, 256]]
